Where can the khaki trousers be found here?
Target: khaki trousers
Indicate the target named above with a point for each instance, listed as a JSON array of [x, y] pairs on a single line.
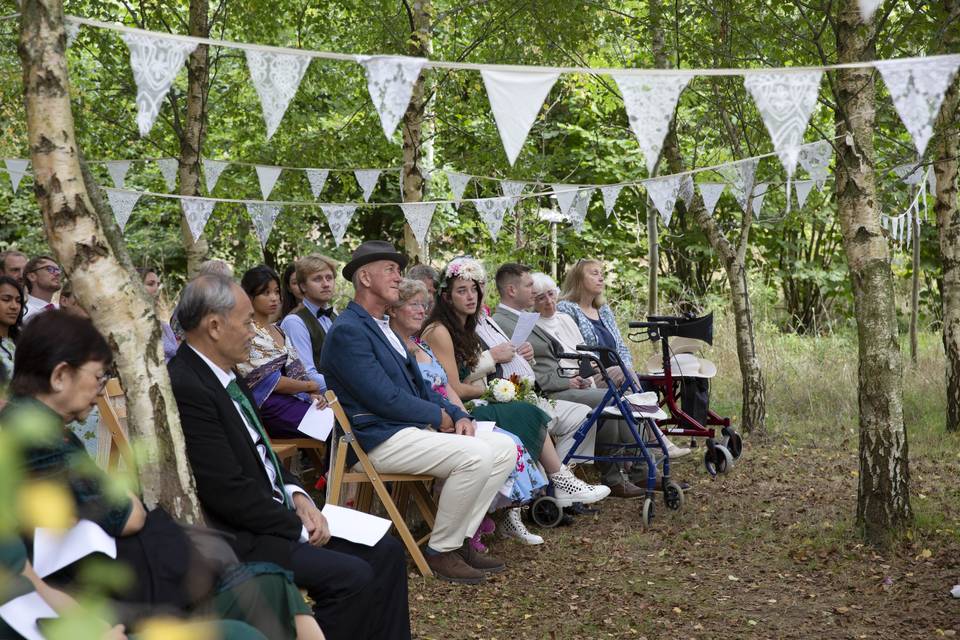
[[474, 469], [566, 419]]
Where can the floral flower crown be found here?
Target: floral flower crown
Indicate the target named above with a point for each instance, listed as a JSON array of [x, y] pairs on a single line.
[[466, 268]]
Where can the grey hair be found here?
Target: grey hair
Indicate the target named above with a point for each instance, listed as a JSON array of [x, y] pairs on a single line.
[[355, 279], [423, 272], [410, 288], [215, 267], [543, 283], [203, 296]]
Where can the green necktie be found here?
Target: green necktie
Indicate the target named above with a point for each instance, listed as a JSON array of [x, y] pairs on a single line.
[[240, 398]]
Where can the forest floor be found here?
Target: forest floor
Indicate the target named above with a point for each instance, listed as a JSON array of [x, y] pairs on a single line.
[[768, 551]]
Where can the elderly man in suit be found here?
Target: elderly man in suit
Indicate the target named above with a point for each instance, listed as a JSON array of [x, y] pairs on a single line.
[[405, 426], [358, 591]]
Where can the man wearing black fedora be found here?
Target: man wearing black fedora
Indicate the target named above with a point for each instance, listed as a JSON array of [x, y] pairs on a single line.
[[403, 424]]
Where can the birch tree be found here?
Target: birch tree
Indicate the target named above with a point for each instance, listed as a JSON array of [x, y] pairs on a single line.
[[883, 497], [110, 293]]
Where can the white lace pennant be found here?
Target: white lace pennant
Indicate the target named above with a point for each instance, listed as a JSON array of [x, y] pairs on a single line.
[[155, 62], [263, 215], [169, 168], [610, 195], [711, 192], [197, 211], [786, 100], [512, 189], [211, 171], [515, 99], [418, 216], [741, 176], [815, 158], [338, 217], [565, 195], [267, 175], [868, 8], [276, 77], [16, 169], [803, 190], [664, 192], [317, 178], [917, 88], [367, 179], [118, 172], [759, 193], [121, 203], [458, 184], [390, 80], [650, 101], [578, 212], [686, 190], [491, 211]]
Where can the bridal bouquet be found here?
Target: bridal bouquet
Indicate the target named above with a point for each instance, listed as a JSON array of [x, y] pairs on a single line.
[[509, 389]]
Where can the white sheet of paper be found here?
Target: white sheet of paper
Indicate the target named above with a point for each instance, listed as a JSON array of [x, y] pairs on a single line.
[[355, 526], [317, 423], [483, 426], [53, 550], [525, 324], [22, 614]]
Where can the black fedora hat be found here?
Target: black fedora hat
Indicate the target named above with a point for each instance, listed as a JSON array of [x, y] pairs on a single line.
[[371, 251]]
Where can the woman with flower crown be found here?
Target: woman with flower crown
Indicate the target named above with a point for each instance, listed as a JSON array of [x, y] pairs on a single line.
[[450, 331]]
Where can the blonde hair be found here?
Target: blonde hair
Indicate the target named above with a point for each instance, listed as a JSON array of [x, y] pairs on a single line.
[[309, 265], [573, 289], [409, 289]]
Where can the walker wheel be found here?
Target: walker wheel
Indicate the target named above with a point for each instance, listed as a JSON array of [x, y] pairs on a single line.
[[733, 442], [546, 512], [717, 459], [673, 496], [646, 514]]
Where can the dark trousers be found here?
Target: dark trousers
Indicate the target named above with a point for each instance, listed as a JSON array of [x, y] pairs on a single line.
[[359, 591]]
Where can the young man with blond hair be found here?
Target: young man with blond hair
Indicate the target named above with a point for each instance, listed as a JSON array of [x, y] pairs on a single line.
[[307, 328]]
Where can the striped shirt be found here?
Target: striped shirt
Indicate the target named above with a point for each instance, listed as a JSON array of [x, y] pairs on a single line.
[[492, 335]]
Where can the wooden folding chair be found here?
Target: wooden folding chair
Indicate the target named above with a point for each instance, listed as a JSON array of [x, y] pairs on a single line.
[[284, 452], [405, 486], [113, 416], [315, 449]]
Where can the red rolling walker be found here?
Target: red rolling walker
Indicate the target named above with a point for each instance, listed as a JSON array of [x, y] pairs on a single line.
[[721, 453]]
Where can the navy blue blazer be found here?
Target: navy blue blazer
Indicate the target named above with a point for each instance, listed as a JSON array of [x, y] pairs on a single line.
[[381, 391]]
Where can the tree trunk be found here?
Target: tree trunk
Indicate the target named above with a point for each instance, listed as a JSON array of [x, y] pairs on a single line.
[[653, 257], [915, 290], [194, 131], [412, 179], [945, 150], [754, 410], [110, 294], [883, 496]]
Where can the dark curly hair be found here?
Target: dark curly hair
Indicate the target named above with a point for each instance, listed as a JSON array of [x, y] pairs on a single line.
[[18, 325], [466, 344]]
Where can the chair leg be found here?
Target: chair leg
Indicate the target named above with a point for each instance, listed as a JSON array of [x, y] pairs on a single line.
[[425, 503], [364, 498], [408, 540], [336, 476]]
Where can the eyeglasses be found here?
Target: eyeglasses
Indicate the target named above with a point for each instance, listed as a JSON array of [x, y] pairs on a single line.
[[52, 270], [102, 379], [422, 305]]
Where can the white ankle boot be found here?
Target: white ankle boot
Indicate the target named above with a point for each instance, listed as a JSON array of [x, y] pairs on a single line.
[[512, 527]]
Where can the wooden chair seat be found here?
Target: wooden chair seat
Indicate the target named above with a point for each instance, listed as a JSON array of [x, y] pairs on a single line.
[[404, 487], [284, 451]]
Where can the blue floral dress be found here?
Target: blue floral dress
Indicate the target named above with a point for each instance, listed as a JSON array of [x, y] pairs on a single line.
[[526, 480]]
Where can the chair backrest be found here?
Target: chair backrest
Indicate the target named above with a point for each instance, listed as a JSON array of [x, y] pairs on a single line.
[[114, 443], [344, 424]]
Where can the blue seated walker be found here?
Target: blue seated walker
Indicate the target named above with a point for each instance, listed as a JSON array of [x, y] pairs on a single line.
[[615, 406]]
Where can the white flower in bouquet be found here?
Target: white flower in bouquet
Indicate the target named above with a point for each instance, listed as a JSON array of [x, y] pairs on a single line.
[[503, 390]]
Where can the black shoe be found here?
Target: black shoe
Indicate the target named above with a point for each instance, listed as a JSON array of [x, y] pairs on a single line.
[[580, 509]]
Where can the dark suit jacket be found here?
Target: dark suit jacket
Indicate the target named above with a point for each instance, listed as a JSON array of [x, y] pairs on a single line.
[[381, 391], [232, 483]]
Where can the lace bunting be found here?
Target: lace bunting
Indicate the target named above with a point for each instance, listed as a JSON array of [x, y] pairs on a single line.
[[16, 169], [815, 158], [169, 168], [122, 203], [917, 88], [418, 216], [803, 190], [276, 77], [491, 211], [367, 179], [263, 215], [711, 192], [267, 175], [155, 62], [650, 101], [610, 195], [118, 172], [664, 192], [578, 212], [338, 217], [458, 184], [211, 172], [197, 211], [390, 81]]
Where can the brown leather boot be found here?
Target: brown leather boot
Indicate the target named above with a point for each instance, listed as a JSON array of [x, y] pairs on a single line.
[[482, 561], [626, 489], [451, 566]]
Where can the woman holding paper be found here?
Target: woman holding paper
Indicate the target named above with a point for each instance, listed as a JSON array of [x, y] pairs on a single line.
[[62, 366], [274, 373]]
